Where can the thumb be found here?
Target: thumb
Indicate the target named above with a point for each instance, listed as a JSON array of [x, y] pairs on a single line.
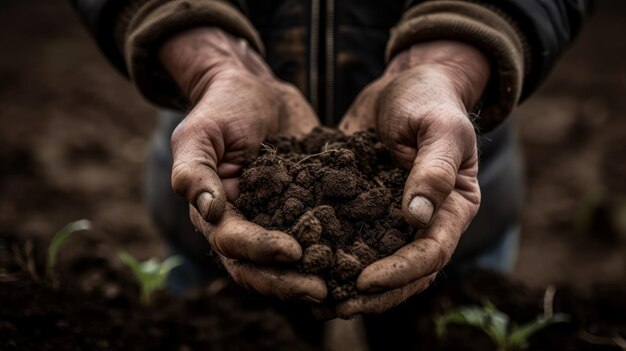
[[362, 112], [442, 149], [301, 117], [194, 171]]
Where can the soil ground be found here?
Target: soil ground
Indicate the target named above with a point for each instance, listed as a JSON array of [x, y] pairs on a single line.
[[74, 135]]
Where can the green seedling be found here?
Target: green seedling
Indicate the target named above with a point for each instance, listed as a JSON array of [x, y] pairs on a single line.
[[58, 241], [151, 274], [496, 324]]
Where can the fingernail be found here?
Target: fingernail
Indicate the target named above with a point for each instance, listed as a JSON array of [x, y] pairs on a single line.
[[310, 299], [284, 257], [372, 289], [204, 202], [421, 209]]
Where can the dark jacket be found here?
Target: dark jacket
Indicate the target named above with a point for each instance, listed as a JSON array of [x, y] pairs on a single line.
[[330, 49]]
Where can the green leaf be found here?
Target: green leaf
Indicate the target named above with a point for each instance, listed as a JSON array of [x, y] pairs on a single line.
[[452, 317], [151, 274], [519, 336], [58, 241], [495, 324], [491, 321]]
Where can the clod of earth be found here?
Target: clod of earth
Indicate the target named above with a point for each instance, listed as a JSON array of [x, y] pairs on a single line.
[[339, 196]]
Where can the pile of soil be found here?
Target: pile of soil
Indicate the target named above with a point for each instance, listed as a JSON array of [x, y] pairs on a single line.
[[339, 196]]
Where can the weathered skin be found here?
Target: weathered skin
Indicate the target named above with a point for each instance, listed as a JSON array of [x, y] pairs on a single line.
[[418, 107], [237, 103]]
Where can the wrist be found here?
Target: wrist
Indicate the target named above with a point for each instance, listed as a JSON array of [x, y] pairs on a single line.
[[464, 67], [197, 57]]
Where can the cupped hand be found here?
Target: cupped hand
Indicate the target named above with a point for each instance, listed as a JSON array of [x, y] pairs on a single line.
[[237, 102], [252, 257], [419, 108]]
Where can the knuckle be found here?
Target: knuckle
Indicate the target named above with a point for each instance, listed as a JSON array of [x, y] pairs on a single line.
[[199, 127], [441, 254], [213, 238], [401, 263], [182, 173], [289, 290], [460, 122], [474, 200], [187, 171], [444, 256], [238, 273], [181, 132], [291, 89], [464, 133], [440, 174], [446, 124]]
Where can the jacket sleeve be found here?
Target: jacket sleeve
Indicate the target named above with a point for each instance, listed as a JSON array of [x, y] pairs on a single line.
[[130, 32], [522, 38]]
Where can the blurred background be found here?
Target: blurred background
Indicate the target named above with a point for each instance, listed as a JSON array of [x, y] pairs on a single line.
[[74, 135]]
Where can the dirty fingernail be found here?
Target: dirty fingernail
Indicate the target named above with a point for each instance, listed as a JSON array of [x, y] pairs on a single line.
[[310, 299], [284, 257], [371, 288], [204, 202], [421, 209]]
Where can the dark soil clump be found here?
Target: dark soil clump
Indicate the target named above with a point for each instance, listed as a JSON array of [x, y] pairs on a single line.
[[339, 196]]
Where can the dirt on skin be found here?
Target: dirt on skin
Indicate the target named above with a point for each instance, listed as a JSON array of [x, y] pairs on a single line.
[[339, 196], [56, 86]]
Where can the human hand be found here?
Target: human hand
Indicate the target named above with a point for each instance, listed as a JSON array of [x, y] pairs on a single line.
[[419, 108], [252, 257], [237, 102]]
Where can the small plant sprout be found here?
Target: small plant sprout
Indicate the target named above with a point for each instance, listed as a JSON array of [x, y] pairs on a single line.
[[56, 244], [151, 274], [496, 324]]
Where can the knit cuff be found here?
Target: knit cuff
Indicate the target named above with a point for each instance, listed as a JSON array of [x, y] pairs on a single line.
[[156, 21], [480, 27]]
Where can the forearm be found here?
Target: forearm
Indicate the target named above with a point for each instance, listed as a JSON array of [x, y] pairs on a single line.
[[466, 67], [545, 27], [478, 26], [195, 57], [130, 33]]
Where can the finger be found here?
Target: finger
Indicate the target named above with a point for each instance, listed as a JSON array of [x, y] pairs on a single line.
[[429, 252], [442, 148], [231, 187], [235, 237], [279, 282], [379, 303], [296, 105], [194, 172], [360, 115]]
